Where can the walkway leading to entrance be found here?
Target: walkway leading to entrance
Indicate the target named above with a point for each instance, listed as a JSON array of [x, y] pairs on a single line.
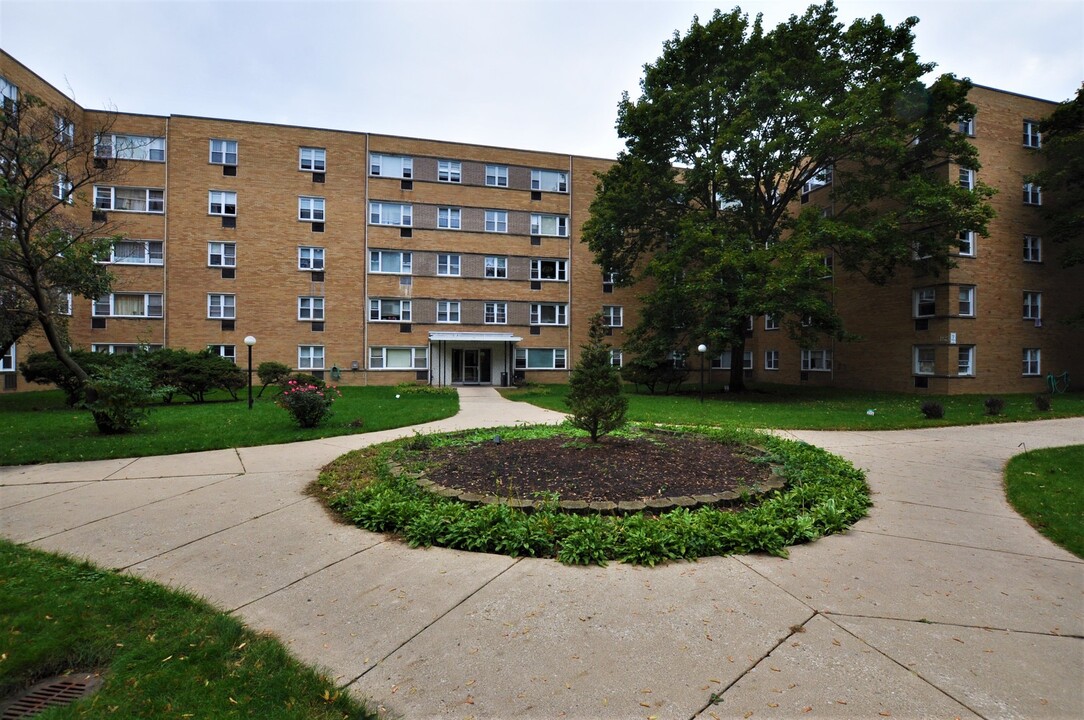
[[942, 603]]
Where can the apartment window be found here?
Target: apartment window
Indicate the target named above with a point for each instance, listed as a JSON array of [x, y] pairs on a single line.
[[313, 159], [227, 351], [65, 130], [9, 94], [1033, 306], [496, 313], [966, 126], [142, 305], [496, 176], [722, 361], [393, 166], [617, 357], [448, 265], [771, 322], [398, 358], [390, 261], [496, 221], [310, 209], [221, 254], [7, 360], [447, 311], [1032, 137], [310, 258], [551, 225], [64, 303], [967, 300], [966, 242], [1033, 248], [129, 199], [924, 302], [220, 202], [130, 147], [382, 213], [1032, 357], [1033, 194], [540, 358], [556, 270], [771, 359], [549, 314], [450, 171], [221, 307], [496, 267], [923, 360], [549, 180], [62, 187], [612, 316], [967, 178], [820, 179], [137, 252], [310, 308], [223, 152], [449, 218], [123, 348], [310, 357], [965, 360], [817, 360], [387, 310]]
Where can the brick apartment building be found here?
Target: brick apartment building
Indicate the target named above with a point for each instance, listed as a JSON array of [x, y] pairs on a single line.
[[372, 259]]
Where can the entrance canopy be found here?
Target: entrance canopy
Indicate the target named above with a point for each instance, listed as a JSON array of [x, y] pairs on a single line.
[[473, 337]]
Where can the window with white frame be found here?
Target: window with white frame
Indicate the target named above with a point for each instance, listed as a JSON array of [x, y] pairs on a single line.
[[9, 94], [496, 176], [617, 357], [1033, 194], [383, 213], [222, 202], [1032, 358], [965, 360], [7, 360], [221, 254], [310, 209], [723, 360], [967, 178], [448, 265], [771, 359], [965, 241], [547, 269], [497, 221], [137, 252], [223, 152], [130, 147], [393, 166], [129, 199], [817, 360], [221, 306], [819, 179], [447, 311], [613, 316], [549, 225], [495, 313], [227, 351], [449, 218], [924, 302], [389, 310], [549, 180], [63, 303], [677, 359], [549, 314], [310, 357], [771, 322], [966, 126], [1033, 305], [310, 258], [924, 356], [65, 130], [1032, 137], [312, 159], [124, 348], [496, 267], [62, 187], [137, 305], [541, 358], [967, 300], [398, 358], [449, 171], [391, 261], [1033, 248], [310, 307]]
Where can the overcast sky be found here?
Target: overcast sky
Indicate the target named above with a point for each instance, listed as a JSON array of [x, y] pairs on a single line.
[[535, 74]]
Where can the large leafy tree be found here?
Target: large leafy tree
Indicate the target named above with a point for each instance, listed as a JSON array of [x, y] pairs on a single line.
[[47, 249], [732, 124], [1062, 179]]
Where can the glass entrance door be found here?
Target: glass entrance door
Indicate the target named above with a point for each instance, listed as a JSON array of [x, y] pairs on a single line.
[[471, 367]]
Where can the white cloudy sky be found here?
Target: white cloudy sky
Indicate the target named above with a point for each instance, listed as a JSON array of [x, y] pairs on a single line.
[[538, 74]]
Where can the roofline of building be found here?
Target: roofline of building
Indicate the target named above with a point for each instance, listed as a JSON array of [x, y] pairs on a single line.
[[1020, 95]]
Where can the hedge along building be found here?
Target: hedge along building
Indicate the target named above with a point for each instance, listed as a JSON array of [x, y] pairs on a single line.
[[373, 259]]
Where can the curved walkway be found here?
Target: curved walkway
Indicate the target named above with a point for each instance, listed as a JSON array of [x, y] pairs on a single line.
[[942, 603]]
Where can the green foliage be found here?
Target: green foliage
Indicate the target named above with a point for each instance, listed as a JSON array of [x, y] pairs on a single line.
[[272, 373], [1042, 403], [994, 405], [118, 394], [304, 379], [309, 404], [409, 388], [1062, 178], [594, 396], [45, 368], [652, 373], [1044, 486], [933, 410], [194, 374]]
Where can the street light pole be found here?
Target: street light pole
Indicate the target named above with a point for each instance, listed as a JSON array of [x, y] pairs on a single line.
[[250, 340], [703, 349]]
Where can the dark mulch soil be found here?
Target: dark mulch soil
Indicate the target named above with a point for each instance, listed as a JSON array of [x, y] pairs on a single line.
[[615, 469]]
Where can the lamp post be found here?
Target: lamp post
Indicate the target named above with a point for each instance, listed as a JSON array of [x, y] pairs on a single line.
[[250, 340], [703, 349]]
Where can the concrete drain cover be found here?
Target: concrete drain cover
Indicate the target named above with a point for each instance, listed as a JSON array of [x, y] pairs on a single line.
[[52, 692]]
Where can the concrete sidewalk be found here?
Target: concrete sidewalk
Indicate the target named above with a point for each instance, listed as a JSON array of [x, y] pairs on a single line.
[[942, 603]]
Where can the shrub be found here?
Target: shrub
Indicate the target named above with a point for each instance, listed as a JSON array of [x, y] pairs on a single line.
[[194, 373], [933, 410], [994, 405], [594, 397], [651, 374], [45, 369], [1042, 403], [304, 379], [308, 403], [272, 373], [117, 395], [409, 388]]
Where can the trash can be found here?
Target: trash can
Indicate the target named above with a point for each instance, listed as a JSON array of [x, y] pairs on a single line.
[[504, 379]]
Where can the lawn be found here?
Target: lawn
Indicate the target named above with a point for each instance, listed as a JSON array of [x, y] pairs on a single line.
[[163, 654], [799, 408], [38, 427], [1045, 487]]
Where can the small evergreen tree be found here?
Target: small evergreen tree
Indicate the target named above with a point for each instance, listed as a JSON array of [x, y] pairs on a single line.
[[595, 398]]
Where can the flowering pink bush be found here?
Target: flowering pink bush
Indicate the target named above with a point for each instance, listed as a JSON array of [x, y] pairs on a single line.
[[308, 404]]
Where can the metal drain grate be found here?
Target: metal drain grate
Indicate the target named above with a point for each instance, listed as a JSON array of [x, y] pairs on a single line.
[[53, 692]]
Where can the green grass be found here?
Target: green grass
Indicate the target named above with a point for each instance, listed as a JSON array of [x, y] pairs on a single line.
[[37, 427], [801, 408], [164, 654], [1047, 488]]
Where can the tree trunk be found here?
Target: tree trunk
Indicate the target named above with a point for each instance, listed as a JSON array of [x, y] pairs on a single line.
[[737, 362]]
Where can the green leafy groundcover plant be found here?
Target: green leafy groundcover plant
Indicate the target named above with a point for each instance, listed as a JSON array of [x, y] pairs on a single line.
[[825, 494]]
